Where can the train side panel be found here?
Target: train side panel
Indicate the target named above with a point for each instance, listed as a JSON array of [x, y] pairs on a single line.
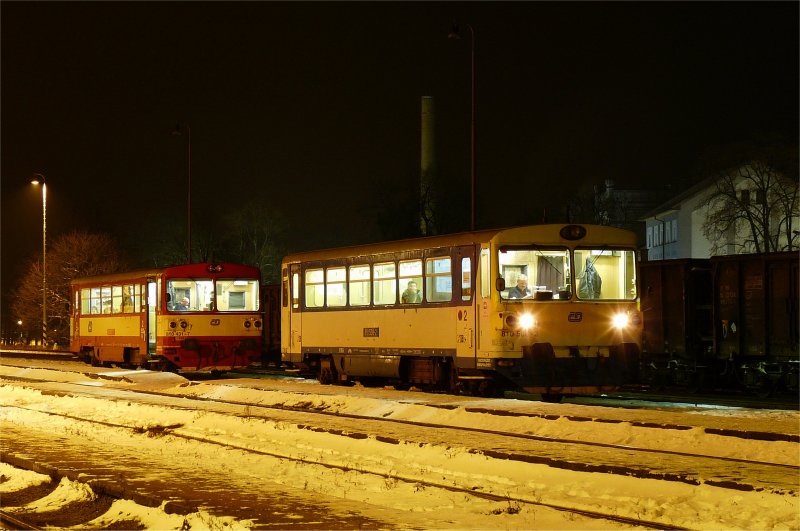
[[676, 306], [755, 306], [747, 341], [756, 320]]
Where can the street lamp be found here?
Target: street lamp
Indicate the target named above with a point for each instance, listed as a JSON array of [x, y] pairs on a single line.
[[39, 179], [178, 132], [454, 34]]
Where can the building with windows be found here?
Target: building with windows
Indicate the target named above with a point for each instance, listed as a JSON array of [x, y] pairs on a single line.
[[675, 229]]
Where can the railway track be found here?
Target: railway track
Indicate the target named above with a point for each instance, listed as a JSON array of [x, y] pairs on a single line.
[[633, 397], [308, 413], [512, 503]]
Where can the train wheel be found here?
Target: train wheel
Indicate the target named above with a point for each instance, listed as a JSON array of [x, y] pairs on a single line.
[[552, 398], [488, 389], [765, 388], [327, 373], [455, 386]]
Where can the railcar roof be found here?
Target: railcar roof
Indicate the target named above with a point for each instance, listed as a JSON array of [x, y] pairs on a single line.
[[550, 233], [141, 273]]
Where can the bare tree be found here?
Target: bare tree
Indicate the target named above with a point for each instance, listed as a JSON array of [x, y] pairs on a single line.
[[255, 234], [76, 254], [752, 208]]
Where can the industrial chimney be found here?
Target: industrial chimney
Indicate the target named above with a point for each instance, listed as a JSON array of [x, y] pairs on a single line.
[[427, 169]]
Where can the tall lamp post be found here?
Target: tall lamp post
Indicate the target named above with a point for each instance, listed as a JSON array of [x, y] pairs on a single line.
[[39, 179], [454, 34], [179, 132]]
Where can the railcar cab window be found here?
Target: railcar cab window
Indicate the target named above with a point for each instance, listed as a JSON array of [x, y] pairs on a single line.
[[605, 274], [535, 273], [188, 294], [232, 295], [204, 295]]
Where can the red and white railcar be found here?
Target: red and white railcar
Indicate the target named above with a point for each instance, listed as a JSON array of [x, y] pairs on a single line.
[[137, 318]]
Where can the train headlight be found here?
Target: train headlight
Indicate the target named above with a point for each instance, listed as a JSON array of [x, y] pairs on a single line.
[[520, 322], [247, 324], [526, 321], [620, 320]]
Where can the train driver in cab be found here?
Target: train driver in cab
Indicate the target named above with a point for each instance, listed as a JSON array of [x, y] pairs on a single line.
[[411, 295], [520, 291], [183, 304]]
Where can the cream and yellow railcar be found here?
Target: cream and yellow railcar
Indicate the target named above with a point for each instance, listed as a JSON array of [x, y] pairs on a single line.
[[550, 309]]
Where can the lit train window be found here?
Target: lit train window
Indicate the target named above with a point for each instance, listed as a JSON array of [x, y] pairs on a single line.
[[86, 301], [384, 283], [315, 288], [438, 280], [410, 272], [116, 299], [232, 295], [485, 270], [605, 274], [131, 298], [95, 300], [535, 273], [295, 290], [359, 285], [466, 278], [105, 299], [335, 286]]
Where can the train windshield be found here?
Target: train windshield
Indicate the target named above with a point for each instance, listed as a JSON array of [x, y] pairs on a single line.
[[605, 274], [541, 273], [535, 273], [202, 295]]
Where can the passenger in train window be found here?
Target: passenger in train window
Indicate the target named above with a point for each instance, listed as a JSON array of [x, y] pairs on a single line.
[[520, 291], [127, 299], [183, 304], [590, 283], [411, 295]]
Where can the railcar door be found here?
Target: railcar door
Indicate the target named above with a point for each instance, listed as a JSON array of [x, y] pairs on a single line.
[[292, 328], [466, 329], [152, 306]]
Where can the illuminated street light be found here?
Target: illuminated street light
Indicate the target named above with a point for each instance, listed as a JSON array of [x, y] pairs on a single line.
[[178, 132], [39, 179], [454, 34]]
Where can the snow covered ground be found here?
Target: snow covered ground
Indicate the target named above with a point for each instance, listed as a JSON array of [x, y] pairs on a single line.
[[414, 506]]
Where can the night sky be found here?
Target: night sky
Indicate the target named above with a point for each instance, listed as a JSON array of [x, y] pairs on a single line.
[[313, 109]]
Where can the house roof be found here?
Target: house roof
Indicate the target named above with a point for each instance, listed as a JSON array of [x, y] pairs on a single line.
[[675, 202]]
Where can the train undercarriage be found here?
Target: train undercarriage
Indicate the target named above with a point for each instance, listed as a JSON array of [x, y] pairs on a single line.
[[758, 377], [538, 371]]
